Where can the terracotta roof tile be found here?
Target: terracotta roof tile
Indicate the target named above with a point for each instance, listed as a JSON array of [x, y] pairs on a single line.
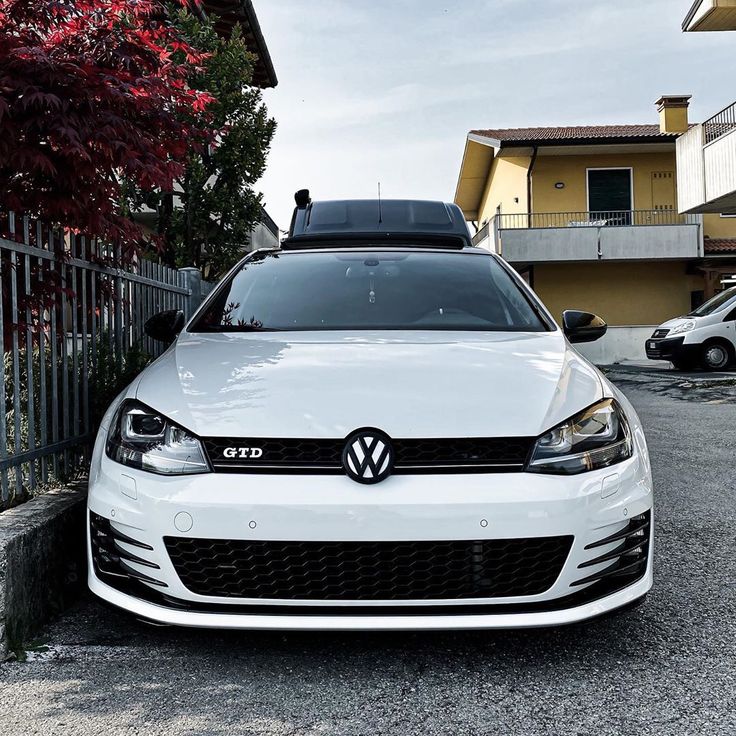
[[720, 245], [576, 133]]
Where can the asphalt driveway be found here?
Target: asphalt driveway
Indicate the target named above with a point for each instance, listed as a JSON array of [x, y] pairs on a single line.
[[666, 668]]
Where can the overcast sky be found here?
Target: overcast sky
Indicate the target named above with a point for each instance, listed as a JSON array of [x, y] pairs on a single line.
[[387, 90]]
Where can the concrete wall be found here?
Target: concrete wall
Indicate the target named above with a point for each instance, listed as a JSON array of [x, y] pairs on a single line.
[[623, 294], [616, 243], [42, 562], [690, 170], [720, 169], [617, 345], [706, 179]]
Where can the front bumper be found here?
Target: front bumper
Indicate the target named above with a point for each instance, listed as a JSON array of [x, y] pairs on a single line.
[[590, 507], [671, 348]]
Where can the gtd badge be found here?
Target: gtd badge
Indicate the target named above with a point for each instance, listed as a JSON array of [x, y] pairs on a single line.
[[242, 453]]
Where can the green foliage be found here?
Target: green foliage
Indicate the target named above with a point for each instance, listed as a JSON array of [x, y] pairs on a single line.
[[108, 376], [207, 220]]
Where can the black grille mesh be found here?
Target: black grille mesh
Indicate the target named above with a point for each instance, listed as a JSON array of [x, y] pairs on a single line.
[[658, 334], [461, 451], [368, 570], [293, 454]]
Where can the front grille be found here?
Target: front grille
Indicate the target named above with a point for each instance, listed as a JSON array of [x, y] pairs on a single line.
[[475, 454], [368, 571], [659, 334]]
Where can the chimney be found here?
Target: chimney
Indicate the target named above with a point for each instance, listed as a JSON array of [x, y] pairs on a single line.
[[673, 113]]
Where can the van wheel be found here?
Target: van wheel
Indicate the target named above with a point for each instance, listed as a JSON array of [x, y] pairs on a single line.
[[716, 355]]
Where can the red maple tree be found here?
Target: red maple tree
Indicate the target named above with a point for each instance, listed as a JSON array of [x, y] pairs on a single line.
[[91, 95]]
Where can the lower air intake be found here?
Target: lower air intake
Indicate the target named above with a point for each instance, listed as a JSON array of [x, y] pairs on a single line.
[[367, 571]]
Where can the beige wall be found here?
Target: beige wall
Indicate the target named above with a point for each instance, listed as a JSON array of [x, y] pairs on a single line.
[[507, 182], [571, 170], [643, 293], [715, 226]]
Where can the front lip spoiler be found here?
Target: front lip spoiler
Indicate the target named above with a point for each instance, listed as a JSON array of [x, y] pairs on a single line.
[[367, 622]]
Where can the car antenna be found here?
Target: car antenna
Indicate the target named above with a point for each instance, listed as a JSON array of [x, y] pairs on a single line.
[[380, 213]]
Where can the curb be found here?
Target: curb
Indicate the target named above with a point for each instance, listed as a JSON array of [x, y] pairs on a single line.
[[42, 561]]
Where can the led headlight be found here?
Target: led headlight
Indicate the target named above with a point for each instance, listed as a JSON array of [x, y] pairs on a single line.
[[595, 438], [684, 327], [141, 438]]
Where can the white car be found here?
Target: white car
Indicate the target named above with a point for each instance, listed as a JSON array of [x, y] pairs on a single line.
[[374, 427], [704, 338]]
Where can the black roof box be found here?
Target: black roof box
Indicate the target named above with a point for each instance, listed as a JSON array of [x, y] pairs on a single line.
[[371, 220]]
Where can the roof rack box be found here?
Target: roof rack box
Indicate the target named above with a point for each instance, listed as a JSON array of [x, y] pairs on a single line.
[[390, 219]]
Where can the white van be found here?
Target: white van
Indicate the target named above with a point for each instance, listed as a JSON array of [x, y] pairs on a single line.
[[705, 338]]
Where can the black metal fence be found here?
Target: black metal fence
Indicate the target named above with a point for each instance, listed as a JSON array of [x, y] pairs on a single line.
[[613, 218], [71, 319], [720, 124]]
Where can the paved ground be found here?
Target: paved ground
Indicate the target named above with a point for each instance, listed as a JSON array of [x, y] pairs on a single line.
[[667, 668]]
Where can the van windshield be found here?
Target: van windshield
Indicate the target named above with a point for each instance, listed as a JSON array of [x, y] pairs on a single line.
[[370, 290], [715, 303]]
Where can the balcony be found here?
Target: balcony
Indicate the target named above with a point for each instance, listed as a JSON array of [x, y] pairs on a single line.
[[711, 15], [541, 237], [706, 165]]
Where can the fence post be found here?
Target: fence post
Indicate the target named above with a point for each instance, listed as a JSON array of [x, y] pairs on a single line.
[[191, 279]]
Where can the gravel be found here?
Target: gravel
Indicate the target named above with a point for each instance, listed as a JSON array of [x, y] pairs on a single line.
[[668, 667]]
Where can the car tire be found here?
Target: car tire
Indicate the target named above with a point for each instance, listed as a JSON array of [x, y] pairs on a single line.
[[716, 355]]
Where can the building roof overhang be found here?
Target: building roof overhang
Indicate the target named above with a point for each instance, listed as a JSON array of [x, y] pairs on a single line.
[[711, 15], [229, 13]]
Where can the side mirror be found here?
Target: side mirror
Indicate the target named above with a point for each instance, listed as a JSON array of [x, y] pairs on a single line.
[[582, 326], [165, 326]]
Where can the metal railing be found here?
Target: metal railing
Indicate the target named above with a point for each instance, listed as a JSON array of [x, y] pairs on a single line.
[[71, 320], [720, 124], [614, 218]]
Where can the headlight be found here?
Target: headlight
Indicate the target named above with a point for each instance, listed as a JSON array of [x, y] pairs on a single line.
[[684, 327], [595, 438], [141, 438]]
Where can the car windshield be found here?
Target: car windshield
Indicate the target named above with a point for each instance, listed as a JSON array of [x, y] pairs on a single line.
[[369, 290], [719, 301]]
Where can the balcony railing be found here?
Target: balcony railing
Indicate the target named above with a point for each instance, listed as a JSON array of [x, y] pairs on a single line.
[[721, 124], [614, 218]]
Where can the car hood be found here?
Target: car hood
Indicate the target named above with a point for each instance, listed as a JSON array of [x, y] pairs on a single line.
[[674, 322], [419, 384]]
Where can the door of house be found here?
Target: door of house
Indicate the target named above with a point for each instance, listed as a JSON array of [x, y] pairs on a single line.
[[610, 195]]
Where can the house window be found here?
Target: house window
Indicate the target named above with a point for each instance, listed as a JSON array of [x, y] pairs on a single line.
[[610, 195]]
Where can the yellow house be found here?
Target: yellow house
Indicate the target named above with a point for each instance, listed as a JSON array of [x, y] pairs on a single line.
[[588, 215]]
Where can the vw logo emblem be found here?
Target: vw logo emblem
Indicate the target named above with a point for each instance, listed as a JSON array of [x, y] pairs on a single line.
[[368, 456]]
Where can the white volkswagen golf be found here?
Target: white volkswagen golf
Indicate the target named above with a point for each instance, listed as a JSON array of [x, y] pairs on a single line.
[[375, 426]]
